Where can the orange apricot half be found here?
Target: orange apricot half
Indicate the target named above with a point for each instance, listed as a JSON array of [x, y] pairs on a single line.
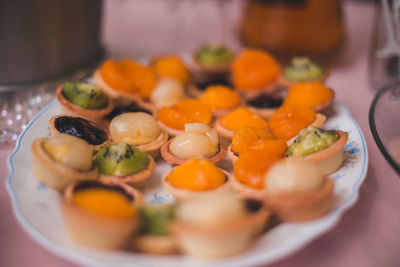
[[308, 94], [172, 67], [219, 97], [242, 117], [247, 135]]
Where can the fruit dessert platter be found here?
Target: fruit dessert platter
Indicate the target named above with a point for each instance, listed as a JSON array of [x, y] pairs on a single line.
[[236, 144]]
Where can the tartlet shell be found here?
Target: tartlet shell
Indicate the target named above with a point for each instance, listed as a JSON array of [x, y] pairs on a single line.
[[69, 108], [136, 180], [94, 230], [174, 160], [154, 244], [53, 174]]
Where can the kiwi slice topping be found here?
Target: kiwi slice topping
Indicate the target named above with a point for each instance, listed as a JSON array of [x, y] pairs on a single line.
[[86, 95], [302, 69], [155, 218], [121, 159], [214, 55]]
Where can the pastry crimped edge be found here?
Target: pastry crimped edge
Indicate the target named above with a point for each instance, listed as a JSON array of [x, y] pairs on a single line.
[[54, 130], [297, 207], [169, 130], [53, 174], [69, 108], [153, 148], [179, 193], [95, 230], [246, 191], [136, 180], [156, 244], [221, 240], [174, 160], [331, 158], [318, 122], [231, 154], [222, 131]]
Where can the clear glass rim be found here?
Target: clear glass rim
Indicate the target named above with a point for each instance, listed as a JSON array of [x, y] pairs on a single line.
[[386, 154]]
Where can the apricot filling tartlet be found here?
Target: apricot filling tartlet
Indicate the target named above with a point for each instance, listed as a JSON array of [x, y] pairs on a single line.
[[101, 213], [155, 236], [139, 129], [125, 80], [218, 226], [84, 100], [227, 125], [252, 138], [62, 159], [249, 170], [310, 94], [220, 99], [126, 163], [324, 148], [196, 178], [287, 121], [173, 119], [255, 72], [198, 141], [297, 191], [302, 69], [171, 66], [167, 93], [86, 130]]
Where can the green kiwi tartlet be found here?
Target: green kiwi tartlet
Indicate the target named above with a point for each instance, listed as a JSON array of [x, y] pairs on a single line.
[[128, 163], [302, 69]]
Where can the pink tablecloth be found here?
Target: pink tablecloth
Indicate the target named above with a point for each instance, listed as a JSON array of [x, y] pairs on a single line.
[[366, 235]]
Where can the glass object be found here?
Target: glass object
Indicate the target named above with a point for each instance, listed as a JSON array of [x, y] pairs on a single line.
[[384, 120], [291, 27]]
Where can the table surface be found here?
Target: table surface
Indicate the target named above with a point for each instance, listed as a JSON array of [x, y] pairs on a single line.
[[365, 236]]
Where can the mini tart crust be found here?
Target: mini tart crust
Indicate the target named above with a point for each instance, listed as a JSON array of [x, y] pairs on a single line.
[[153, 148], [331, 158], [247, 192], [53, 174], [91, 114], [222, 131], [169, 130], [180, 193], [265, 113], [174, 160], [318, 122], [287, 83], [232, 155], [268, 89], [156, 244], [118, 97], [297, 207], [55, 131], [221, 240], [95, 230], [136, 180]]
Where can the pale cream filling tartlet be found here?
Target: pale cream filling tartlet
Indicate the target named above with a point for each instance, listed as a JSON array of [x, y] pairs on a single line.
[[53, 174], [69, 108], [95, 230]]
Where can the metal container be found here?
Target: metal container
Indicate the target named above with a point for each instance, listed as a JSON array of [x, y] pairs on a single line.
[[43, 39]]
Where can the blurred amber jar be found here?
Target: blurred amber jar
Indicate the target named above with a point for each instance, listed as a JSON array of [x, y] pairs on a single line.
[[292, 27]]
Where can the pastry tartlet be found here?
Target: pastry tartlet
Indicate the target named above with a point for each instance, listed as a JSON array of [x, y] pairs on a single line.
[[302, 69], [324, 148], [287, 121], [227, 125], [125, 80], [167, 93], [249, 170], [84, 100], [127, 163], [218, 226], [173, 119], [196, 178], [255, 72], [87, 130], [297, 191], [220, 99], [265, 104], [139, 129], [198, 141], [101, 213], [310, 94], [171, 66], [62, 159], [154, 235], [252, 138]]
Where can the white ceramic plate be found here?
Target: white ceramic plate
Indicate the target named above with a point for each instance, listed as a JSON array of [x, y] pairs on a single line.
[[37, 207]]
